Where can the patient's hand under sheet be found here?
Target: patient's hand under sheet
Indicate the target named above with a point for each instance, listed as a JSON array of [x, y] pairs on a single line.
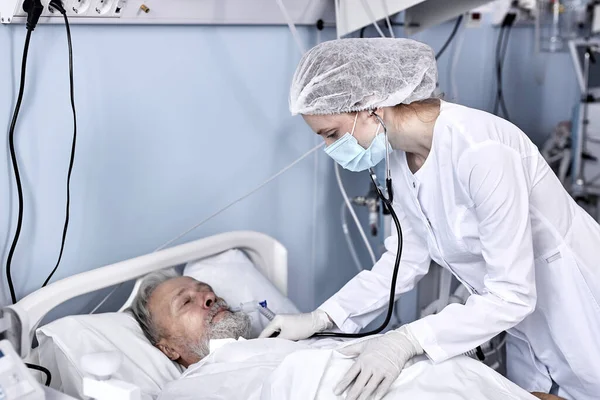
[[277, 369]]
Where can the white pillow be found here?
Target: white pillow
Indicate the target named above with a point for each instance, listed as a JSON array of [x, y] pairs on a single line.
[[64, 341], [235, 278]]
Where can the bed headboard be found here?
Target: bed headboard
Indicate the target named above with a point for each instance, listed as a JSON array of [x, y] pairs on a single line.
[[269, 256]]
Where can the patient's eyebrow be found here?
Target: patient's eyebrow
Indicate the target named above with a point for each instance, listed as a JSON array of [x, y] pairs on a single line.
[[177, 296], [202, 285]]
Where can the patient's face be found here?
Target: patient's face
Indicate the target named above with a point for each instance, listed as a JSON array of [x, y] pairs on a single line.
[[189, 314]]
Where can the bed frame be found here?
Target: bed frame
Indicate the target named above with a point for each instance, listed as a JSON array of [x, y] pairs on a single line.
[[19, 321]]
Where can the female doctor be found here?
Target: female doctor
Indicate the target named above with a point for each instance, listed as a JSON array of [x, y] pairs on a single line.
[[473, 194]]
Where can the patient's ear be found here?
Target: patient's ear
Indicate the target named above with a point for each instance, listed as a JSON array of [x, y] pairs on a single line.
[[168, 351]]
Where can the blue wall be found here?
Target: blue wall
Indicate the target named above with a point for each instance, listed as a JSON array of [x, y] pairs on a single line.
[[540, 90], [175, 122]]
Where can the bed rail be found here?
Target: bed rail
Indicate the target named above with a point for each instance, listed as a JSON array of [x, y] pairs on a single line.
[[269, 256]]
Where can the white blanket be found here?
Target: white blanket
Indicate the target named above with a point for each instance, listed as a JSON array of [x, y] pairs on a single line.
[[277, 369]]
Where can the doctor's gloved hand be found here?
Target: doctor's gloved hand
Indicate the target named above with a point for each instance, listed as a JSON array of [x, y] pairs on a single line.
[[378, 363], [298, 326]]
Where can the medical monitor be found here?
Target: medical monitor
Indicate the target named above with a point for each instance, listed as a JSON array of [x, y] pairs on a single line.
[[578, 48]]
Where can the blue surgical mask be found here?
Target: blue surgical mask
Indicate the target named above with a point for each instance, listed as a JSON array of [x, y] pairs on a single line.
[[352, 156]]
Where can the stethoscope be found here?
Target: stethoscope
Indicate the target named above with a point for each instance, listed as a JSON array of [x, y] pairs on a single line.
[[387, 201]]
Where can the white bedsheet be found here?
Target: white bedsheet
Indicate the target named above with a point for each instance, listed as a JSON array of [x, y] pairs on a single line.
[[277, 369]]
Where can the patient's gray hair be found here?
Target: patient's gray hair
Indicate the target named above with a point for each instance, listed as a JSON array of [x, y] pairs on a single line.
[[139, 307]]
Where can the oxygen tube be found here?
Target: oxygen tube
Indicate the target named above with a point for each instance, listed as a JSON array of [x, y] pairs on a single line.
[[250, 306]]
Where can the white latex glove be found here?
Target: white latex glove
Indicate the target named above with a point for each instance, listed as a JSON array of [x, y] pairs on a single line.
[[298, 326], [380, 360]]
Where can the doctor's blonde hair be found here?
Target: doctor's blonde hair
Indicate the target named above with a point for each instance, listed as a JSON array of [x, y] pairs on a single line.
[[426, 110]]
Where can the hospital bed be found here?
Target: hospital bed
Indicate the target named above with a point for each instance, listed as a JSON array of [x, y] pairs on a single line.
[[263, 265], [241, 266]]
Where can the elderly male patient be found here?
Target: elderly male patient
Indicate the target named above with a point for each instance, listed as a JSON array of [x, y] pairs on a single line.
[[180, 316]]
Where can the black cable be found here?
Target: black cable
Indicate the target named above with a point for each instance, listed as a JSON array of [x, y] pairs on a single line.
[[362, 30], [501, 68], [34, 10], [43, 370], [322, 24], [498, 68], [501, 48], [61, 9], [451, 37], [15, 165]]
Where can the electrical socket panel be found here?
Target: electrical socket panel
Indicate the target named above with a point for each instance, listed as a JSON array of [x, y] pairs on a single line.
[[182, 12], [81, 8], [75, 8]]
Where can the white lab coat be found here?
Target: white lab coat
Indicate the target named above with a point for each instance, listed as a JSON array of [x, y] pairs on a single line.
[[486, 206]]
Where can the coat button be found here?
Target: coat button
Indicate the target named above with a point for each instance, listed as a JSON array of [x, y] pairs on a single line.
[[414, 185]]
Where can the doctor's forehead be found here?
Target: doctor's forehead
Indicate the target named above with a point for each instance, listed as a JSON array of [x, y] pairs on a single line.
[[320, 124]]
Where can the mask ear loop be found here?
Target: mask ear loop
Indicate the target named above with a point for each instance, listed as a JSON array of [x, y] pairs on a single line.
[[377, 132], [354, 126], [388, 174]]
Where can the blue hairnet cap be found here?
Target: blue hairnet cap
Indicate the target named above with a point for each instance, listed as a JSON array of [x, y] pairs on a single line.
[[348, 75]]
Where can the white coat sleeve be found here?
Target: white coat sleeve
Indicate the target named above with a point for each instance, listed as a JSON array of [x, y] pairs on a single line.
[[366, 296], [496, 180]]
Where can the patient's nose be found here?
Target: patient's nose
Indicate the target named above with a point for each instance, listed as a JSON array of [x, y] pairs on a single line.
[[209, 299]]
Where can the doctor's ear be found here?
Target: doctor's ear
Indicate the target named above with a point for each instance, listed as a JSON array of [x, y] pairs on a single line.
[[168, 351], [378, 111]]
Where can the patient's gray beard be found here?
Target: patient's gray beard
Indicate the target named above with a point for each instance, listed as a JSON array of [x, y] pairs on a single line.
[[231, 326]]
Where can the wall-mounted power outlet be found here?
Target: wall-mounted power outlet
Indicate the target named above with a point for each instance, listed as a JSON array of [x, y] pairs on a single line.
[[76, 8], [474, 19], [104, 6], [79, 7]]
